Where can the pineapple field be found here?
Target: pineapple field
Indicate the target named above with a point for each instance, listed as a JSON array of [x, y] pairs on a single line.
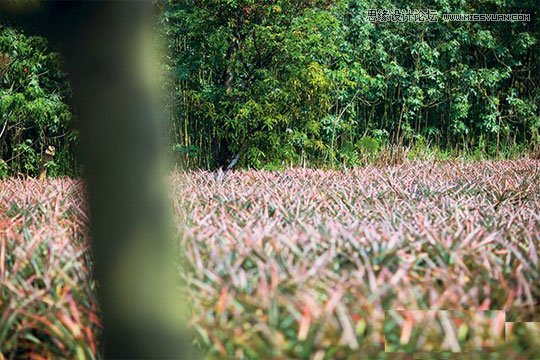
[[378, 262]]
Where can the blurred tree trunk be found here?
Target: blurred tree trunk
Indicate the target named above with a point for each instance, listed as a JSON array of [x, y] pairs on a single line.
[[105, 51]]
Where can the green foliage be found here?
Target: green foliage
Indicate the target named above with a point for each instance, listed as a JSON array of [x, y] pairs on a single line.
[[33, 109], [304, 83], [301, 82], [368, 145]]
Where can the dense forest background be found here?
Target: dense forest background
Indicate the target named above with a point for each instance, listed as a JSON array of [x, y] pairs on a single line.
[[278, 83]]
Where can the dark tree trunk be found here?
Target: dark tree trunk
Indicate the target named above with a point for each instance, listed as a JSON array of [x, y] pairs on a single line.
[[120, 133]]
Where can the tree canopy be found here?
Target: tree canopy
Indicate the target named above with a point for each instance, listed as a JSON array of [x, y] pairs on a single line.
[[305, 83]]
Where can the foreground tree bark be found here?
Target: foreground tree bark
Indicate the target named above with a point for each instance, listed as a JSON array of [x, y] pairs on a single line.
[[105, 50]]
